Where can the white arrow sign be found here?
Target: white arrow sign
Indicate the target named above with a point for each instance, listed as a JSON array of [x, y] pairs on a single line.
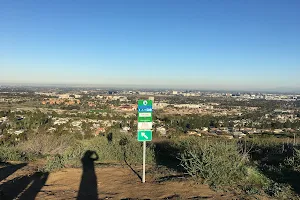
[[144, 135]]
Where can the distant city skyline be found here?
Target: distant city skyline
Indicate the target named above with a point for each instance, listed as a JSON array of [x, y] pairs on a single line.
[[227, 45], [152, 88]]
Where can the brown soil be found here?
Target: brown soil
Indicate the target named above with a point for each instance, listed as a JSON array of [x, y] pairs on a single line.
[[111, 182]]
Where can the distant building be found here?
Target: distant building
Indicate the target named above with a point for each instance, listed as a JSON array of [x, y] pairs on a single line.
[[174, 92], [151, 98], [204, 128], [112, 92], [63, 96], [278, 131], [128, 107], [159, 105], [187, 106], [54, 101]]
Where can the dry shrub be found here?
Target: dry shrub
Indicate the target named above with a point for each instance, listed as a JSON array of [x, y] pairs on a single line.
[[214, 162], [44, 144]]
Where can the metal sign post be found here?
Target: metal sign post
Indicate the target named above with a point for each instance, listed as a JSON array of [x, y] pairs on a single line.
[[144, 128], [144, 161]]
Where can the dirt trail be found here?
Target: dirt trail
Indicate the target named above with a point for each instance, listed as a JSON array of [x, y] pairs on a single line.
[[110, 182], [120, 183]]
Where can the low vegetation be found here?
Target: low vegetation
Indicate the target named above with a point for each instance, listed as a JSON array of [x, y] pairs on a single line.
[[254, 167], [232, 164], [9, 153], [214, 162], [62, 151]]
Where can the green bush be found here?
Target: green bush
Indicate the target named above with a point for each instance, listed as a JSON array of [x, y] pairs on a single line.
[[54, 163], [7, 153], [294, 161], [255, 182], [11, 153], [73, 154], [256, 179], [280, 191], [115, 151], [112, 151], [214, 162]]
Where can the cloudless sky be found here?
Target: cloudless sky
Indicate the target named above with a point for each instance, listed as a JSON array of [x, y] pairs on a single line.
[[232, 44]]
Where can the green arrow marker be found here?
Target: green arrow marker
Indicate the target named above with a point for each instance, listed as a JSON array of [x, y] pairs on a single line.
[[144, 135]]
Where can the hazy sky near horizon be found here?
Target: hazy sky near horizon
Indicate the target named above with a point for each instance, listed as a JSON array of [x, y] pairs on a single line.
[[210, 44]]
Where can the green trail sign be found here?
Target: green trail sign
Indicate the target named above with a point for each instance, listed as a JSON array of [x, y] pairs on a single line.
[[144, 127], [144, 135], [145, 103]]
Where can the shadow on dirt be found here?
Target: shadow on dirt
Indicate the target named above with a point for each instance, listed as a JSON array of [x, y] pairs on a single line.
[[123, 142], [180, 177], [88, 186], [135, 172], [9, 169], [26, 187]]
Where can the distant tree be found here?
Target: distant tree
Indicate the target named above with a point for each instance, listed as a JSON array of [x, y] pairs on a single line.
[[188, 126], [2, 127], [131, 124], [226, 123], [109, 137], [287, 124]]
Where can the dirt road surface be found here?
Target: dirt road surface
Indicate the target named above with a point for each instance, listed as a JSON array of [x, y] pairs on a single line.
[[24, 181]]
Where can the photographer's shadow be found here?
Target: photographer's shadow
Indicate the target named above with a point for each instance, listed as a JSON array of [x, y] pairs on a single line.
[[88, 185]]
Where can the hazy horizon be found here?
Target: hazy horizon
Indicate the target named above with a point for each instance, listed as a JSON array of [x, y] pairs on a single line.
[[232, 45], [151, 87]]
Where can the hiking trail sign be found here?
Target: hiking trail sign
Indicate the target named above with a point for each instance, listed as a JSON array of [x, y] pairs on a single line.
[[144, 135], [144, 127]]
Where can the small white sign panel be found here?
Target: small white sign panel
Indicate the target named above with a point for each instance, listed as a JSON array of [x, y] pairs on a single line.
[[145, 114], [144, 125]]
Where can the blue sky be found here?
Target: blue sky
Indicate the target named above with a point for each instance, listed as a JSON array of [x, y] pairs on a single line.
[[197, 44]]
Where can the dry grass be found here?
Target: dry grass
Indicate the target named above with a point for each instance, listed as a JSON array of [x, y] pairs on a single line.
[[43, 144]]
